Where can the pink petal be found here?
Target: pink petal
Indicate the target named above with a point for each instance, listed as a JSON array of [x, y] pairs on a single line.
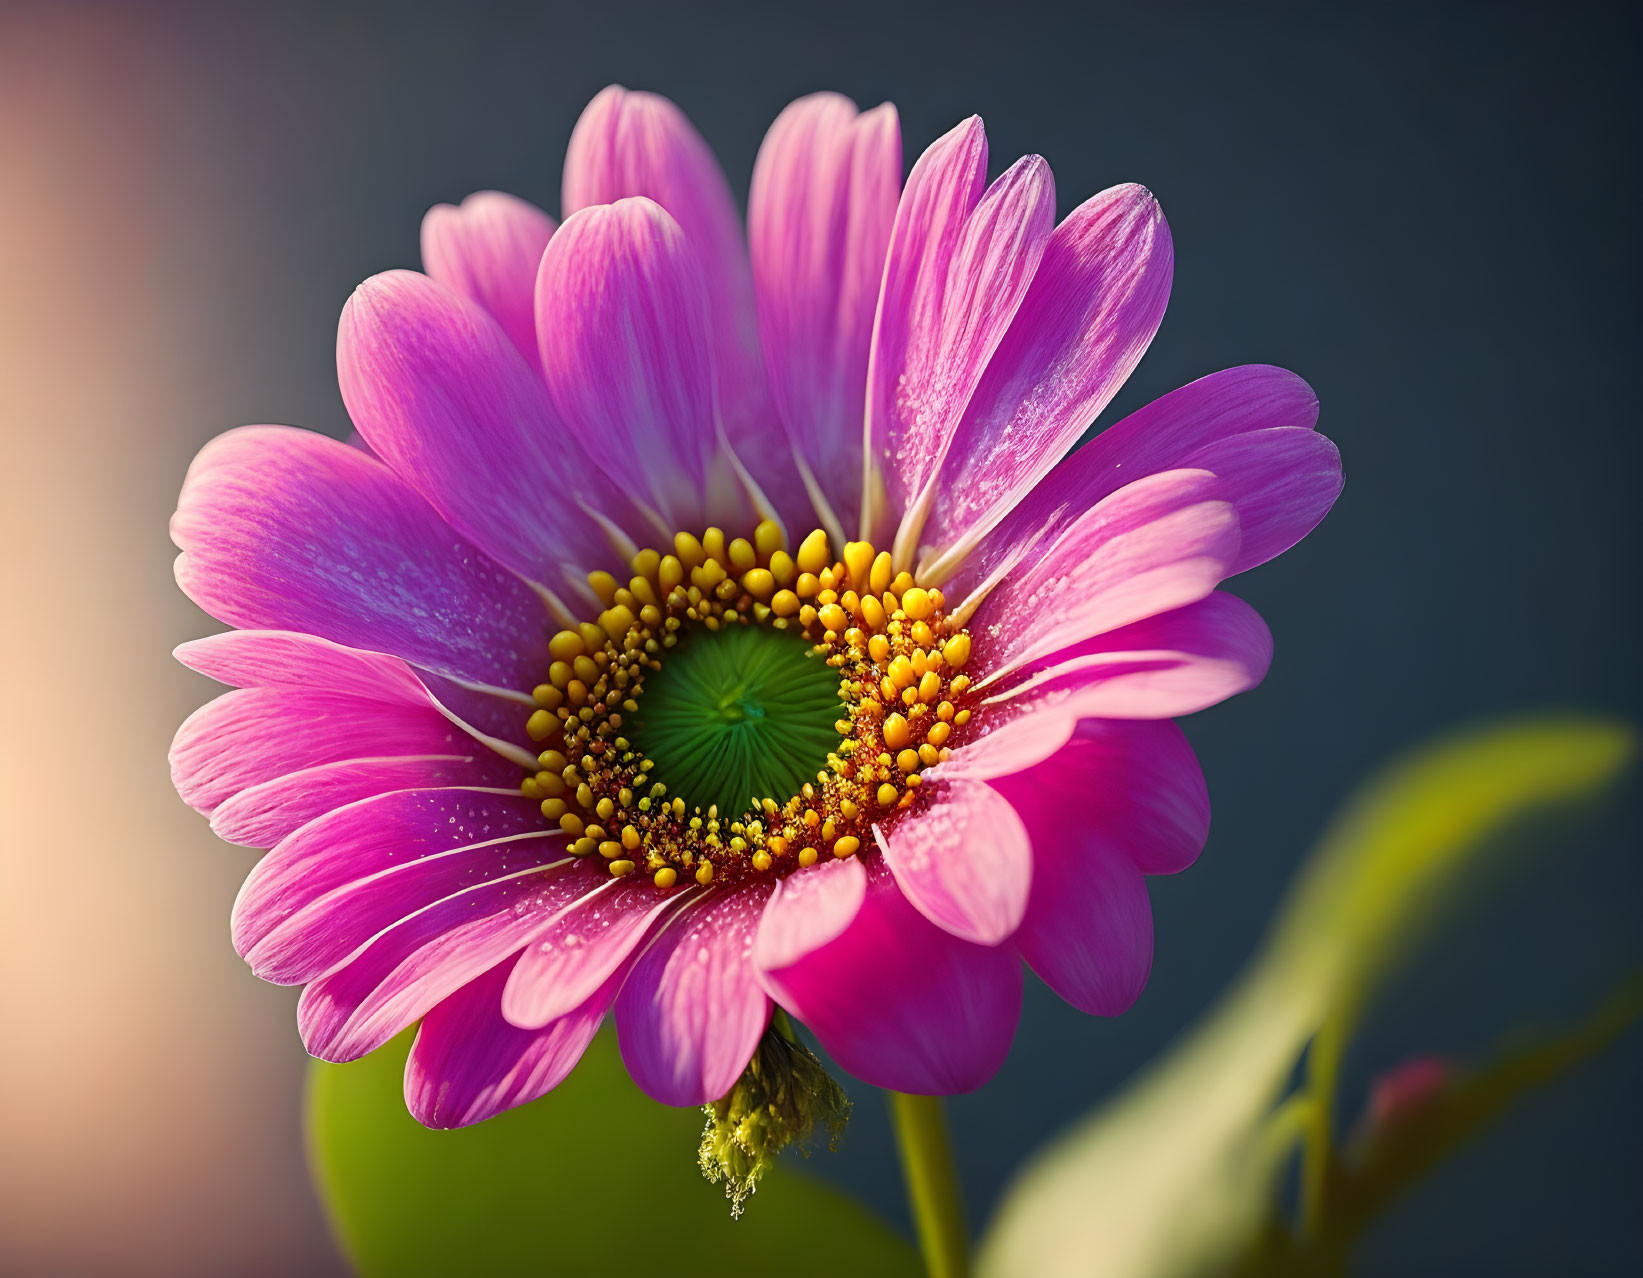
[[992, 265], [824, 195], [440, 393], [1283, 482], [900, 1003], [945, 185], [284, 529], [1142, 782], [488, 248], [1161, 436], [691, 1012], [468, 1064], [1095, 302], [368, 842], [1157, 544], [254, 735], [808, 910], [262, 815], [1145, 785], [639, 144], [258, 658], [963, 861], [1174, 664], [999, 744], [621, 307], [408, 968], [1088, 930], [282, 658], [578, 950], [335, 928]]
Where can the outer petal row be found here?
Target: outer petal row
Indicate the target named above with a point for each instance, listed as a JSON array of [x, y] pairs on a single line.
[[315, 726], [1096, 300], [441, 395], [639, 144], [823, 200], [488, 249], [1246, 425], [621, 310], [284, 529], [868, 959]]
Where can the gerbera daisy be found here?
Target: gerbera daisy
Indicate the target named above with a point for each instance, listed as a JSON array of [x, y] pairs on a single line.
[[704, 624]]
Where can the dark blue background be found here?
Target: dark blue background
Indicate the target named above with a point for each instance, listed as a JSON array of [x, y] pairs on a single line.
[[1430, 213]]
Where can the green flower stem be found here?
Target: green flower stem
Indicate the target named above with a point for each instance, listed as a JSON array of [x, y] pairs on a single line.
[[932, 1183]]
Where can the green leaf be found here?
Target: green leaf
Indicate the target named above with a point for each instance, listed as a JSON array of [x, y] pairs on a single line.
[[594, 1178], [1177, 1175]]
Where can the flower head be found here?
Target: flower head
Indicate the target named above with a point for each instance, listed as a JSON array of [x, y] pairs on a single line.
[[704, 624]]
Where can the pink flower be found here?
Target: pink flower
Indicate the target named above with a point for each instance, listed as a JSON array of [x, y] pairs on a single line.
[[494, 665]]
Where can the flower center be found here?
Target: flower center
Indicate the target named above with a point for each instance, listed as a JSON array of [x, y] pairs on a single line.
[[738, 715], [739, 709]]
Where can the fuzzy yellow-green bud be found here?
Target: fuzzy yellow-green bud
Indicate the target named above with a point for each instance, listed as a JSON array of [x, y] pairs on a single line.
[[783, 1096]]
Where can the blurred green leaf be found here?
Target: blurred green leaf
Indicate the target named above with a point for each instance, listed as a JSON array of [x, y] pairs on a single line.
[[594, 1178], [1177, 1175]]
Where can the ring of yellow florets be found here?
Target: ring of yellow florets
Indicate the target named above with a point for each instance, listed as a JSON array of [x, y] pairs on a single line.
[[902, 691]]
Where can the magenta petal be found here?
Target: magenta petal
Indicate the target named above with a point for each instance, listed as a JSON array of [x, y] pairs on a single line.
[[1141, 781], [468, 1064], [1000, 744], [900, 1003], [1174, 664], [964, 862], [436, 387], [1088, 930], [488, 248], [1283, 482], [332, 930], [381, 847], [1157, 544], [577, 951], [258, 658], [1158, 437], [284, 529], [621, 308], [1096, 300], [824, 195], [946, 183], [640, 144], [262, 815], [403, 972], [1161, 435], [283, 658], [691, 1012], [992, 265], [251, 736], [808, 910]]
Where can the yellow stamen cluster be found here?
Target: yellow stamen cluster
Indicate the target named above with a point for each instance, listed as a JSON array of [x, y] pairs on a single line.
[[903, 694]]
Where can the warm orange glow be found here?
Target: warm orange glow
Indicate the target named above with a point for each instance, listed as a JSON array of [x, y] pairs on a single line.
[[149, 1085]]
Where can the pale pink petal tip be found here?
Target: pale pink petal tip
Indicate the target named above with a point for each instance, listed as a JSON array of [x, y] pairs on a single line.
[[823, 201], [488, 248], [621, 308], [631, 143]]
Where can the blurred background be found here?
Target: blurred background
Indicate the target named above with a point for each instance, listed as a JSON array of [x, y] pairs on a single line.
[[1430, 213]]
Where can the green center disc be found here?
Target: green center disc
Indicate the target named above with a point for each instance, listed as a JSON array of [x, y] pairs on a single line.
[[738, 715]]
